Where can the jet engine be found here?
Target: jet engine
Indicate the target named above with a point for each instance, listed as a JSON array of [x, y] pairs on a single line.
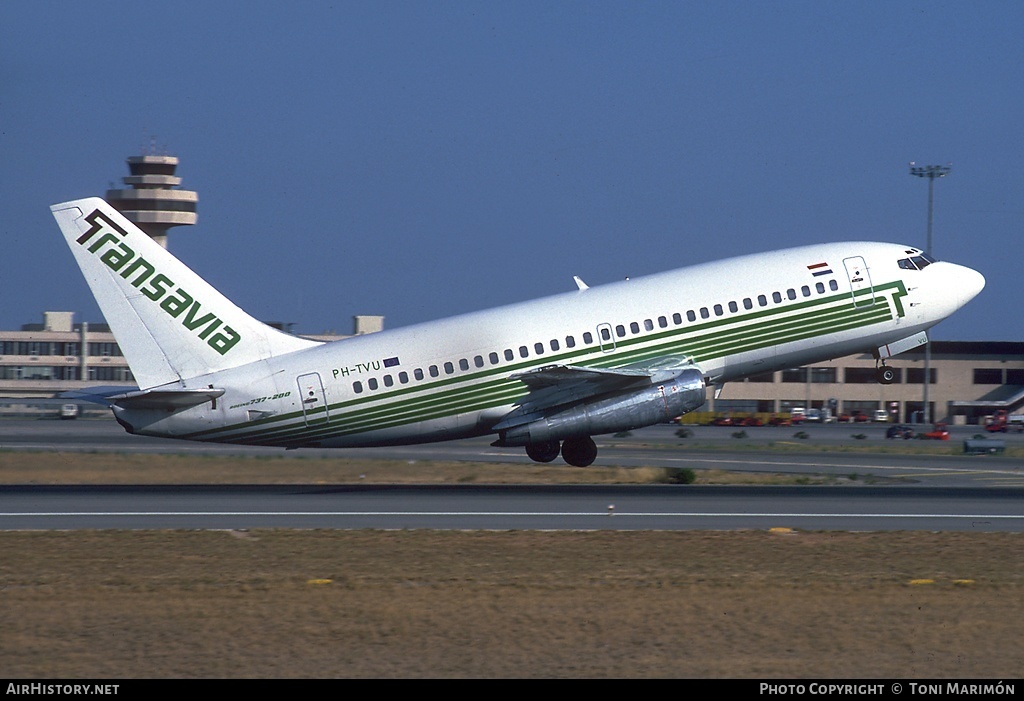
[[615, 412]]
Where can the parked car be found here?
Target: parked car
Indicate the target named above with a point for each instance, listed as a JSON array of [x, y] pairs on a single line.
[[899, 431], [69, 411], [777, 420]]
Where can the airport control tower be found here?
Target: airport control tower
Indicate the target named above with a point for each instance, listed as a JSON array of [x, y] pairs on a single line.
[[153, 203]]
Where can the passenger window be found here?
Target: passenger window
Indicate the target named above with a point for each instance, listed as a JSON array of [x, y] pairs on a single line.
[[634, 327], [733, 307], [372, 383], [493, 357], [833, 285], [648, 325], [620, 330], [509, 355], [539, 347], [463, 364], [524, 352], [389, 381], [776, 297], [588, 337], [478, 361], [434, 371], [762, 300], [418, 373], [718, 310], [691, 315], [570, 342], [791, 293], [704, 313], [806, 291], [677, 318], [357, 387], [403, 377], [554, 344], [820, 287], [448, 367], [748, 303]]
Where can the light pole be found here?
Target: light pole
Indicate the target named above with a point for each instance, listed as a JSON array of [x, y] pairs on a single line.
[[930, 172]]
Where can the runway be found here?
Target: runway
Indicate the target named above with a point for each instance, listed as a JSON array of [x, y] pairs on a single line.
[[512, 508], [911, 492]]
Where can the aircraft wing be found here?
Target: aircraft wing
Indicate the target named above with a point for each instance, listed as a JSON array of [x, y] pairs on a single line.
[[555, 386]]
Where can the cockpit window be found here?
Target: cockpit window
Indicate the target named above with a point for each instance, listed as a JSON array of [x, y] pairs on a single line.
[[919, 262]]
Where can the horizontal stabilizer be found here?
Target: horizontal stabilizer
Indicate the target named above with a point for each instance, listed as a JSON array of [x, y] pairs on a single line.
[[168, 399], [96, 395]]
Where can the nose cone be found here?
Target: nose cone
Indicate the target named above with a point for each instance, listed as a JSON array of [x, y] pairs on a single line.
[[969, 283]]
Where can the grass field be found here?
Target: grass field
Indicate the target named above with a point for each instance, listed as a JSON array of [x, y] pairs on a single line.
[[293, 603]]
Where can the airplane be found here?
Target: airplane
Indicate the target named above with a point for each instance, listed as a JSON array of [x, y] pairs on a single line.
[[544, 375]]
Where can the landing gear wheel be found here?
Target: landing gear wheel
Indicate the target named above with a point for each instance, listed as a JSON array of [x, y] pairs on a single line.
[[885, 375], [579, 452], [543, 452]]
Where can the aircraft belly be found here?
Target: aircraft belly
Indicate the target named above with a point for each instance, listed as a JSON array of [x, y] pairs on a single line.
[[431, 431]]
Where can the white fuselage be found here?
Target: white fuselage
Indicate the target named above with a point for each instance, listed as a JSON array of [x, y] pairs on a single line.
[[453, 378]]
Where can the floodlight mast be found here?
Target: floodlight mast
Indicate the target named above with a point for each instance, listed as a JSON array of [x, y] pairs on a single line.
[[930, 172]]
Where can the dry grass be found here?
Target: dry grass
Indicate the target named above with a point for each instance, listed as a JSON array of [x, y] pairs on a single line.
[[276, 603], [515, 604], [128, 468]]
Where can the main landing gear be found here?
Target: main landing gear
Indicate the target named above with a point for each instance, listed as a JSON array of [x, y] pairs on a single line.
[[578, 452]]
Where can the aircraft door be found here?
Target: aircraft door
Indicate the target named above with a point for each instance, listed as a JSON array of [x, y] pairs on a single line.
[[860, 281], [314, 401]]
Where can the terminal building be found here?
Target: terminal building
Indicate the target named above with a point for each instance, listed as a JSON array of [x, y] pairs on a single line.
[[42, 360], [969, 380]]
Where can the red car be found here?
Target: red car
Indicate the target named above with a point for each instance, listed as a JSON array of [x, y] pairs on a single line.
[[938, 433]]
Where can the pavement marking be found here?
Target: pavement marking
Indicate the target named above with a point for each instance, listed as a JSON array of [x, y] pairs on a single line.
[[525, 514]]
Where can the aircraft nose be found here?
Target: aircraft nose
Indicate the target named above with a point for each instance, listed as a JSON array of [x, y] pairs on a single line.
[[969, 283]]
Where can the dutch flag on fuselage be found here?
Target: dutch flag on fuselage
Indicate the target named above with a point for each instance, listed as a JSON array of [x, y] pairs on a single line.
[[819, 269]]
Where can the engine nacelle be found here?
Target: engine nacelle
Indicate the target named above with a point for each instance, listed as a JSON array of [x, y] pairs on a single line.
[[621, 412]]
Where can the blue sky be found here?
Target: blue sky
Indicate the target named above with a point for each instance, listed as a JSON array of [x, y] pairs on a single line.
[[422, 159]]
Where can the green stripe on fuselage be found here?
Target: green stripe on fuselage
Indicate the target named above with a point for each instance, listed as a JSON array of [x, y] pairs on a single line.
[[492, 388]]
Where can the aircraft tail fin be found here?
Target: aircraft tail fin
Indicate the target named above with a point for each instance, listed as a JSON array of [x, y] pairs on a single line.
[[170, 323]]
